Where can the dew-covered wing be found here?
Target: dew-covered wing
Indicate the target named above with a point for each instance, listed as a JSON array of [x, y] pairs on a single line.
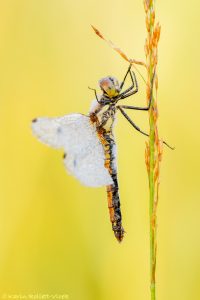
[[84, 153]]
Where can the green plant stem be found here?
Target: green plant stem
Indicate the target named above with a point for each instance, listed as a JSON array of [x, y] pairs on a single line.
[[151, 210], [152, 207]]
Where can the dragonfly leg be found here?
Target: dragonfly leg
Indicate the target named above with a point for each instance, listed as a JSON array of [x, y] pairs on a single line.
[[133, 92], [95, 92], [130, 90], [137, 128], [122, 84], [131, 122], [136, 107], [128, 93]]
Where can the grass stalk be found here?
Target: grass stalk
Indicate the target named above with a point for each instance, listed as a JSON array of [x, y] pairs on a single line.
[[153, 147]]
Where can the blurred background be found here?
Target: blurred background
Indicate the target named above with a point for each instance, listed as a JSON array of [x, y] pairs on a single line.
[[55, 234]]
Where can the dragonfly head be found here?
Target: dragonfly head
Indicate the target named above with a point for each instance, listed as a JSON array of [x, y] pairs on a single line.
[[110, 86]]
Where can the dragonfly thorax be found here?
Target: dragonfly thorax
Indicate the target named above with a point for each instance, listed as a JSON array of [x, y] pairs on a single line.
[[110, 86]]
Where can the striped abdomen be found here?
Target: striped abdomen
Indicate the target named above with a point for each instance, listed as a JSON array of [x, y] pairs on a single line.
[[107, 140], [113, 189]]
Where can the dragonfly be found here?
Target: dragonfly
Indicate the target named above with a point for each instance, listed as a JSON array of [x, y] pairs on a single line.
[[89, 143]]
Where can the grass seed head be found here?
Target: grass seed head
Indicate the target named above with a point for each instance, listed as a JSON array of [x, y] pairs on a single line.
[[145, 6], [146, 47], [148, 91], [147, 23], [156, 81], [147, 156], [153, 18]]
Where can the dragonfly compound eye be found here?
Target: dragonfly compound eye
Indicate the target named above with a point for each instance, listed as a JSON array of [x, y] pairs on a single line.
[[109, 86]]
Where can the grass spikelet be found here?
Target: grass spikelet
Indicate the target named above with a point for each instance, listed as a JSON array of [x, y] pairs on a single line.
[[117, 49]]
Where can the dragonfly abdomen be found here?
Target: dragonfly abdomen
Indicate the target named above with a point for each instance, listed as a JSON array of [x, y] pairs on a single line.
[[105, 135], [113, 189], [115, 211]]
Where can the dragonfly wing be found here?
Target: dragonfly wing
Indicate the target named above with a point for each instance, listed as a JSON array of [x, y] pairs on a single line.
[[49, 131], [75, 133]]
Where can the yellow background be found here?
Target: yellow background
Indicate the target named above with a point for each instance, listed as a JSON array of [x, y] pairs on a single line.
[[55, 235]]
